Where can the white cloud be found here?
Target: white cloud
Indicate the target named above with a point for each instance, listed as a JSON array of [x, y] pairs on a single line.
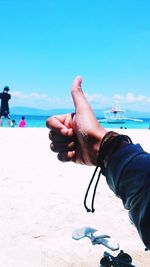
[[33, 95], [129, 98], [133, 101], [97, 100], [41, 100], [35, 99], [38, 96]]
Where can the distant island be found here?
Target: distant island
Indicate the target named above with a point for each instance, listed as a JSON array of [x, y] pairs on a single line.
[[48, 112]]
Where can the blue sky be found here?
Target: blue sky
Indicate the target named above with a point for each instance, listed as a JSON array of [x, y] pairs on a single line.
[[45, 44]]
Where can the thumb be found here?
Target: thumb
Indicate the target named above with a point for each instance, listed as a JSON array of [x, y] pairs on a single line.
[[80, 102]]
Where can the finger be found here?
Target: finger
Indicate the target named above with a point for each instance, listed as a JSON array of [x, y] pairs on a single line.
[[58, 124], [79, 99], [66, 156], [82, 107], [58, 137], [62, 147]]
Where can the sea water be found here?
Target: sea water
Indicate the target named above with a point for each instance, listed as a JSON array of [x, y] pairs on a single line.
[[40, 121], [129, 124]]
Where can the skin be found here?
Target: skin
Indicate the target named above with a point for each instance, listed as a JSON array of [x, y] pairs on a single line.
[[76, 137]]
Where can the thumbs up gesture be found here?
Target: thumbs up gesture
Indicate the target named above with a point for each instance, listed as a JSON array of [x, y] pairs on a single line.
[[76, 137]]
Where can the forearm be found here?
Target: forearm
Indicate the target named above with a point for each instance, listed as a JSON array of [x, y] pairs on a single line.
[[128, 175]]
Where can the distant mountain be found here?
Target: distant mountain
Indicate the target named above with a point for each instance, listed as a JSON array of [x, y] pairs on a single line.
[[22, 111], [37, 112]]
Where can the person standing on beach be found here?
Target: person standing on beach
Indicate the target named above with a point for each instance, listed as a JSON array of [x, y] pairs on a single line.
[[80, 138], [4, 109]]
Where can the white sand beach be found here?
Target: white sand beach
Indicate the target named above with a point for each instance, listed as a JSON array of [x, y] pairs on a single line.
[[41, 204]]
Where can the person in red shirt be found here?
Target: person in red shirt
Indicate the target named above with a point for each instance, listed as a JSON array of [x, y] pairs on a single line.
[[22, 122]]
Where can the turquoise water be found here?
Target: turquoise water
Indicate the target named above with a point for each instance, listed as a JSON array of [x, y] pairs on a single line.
[[32, 121], [144, 124], [39, 121]]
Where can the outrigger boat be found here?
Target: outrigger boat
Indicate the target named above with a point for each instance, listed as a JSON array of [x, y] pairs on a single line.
[[115, 115]]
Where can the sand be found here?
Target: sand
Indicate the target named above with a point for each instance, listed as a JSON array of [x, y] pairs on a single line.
[[41, 204]]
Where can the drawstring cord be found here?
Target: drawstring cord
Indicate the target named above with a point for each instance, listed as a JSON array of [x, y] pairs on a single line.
[[94, 191], [109, 144]]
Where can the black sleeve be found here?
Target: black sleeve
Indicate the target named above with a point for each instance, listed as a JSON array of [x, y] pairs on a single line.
[[128, 175]]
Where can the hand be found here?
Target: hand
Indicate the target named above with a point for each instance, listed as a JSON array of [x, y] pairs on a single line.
[[76, 137]]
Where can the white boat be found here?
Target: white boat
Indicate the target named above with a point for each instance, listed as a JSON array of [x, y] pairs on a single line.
[[115, 115]]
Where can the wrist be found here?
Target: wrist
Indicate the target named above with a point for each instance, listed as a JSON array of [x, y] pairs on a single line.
[[110, 143], [96, 148]]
